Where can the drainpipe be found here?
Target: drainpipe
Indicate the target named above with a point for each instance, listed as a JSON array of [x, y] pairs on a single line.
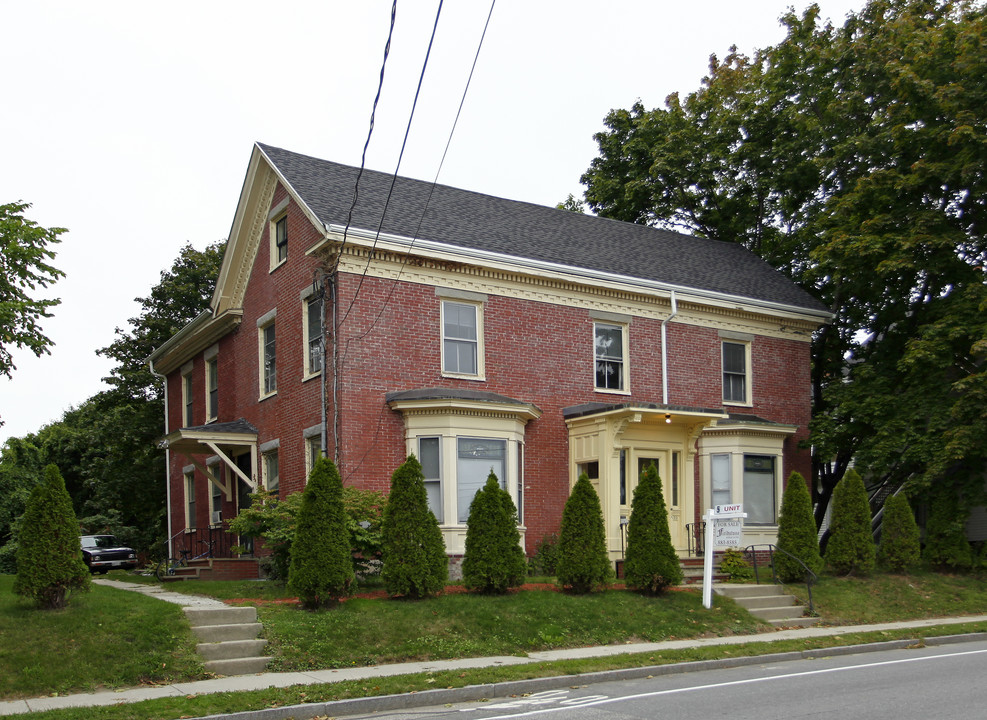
[[150, 364], [664, 352]]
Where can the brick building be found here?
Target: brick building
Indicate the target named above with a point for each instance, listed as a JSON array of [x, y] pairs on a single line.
[[479, 333]]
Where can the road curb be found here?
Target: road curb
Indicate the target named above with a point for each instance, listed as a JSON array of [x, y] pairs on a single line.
[[475, 693]]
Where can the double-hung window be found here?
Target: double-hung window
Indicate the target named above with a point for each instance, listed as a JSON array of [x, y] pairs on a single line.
[[281, 239], [610, 350], [267, 354], [736, 372], [212, 388], [190, 499], [188, 400], [271, 476], [461, 354], [430, 457], [759, 489], [313, 335], [476, 458]]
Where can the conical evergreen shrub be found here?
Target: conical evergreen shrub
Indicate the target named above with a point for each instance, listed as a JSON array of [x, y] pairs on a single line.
[[946, 545], [583, 565], [321, 570], [413, 552], [851, 545], [49, 556], [493, 560], [899, 550], [651, 563], [797, 532]]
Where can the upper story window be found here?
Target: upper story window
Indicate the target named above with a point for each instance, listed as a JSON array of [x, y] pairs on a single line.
[[267, 354], [736, 373], [313, 335], [462, 339], [188, 398], [281, 240], [212, 388], [610, 350], [271, 474]]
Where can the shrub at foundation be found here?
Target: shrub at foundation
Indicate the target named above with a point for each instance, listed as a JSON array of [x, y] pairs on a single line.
[[796, 533], [851, 545], [493, 561], [899, 550], [583, 565], [651, 564]]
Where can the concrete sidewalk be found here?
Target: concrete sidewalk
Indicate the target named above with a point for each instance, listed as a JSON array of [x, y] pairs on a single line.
[[285, 679]]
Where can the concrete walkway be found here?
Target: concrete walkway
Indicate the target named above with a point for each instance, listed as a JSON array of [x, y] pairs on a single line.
[[285, 679]]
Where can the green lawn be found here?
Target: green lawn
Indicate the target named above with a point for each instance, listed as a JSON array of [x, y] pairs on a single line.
[[105, 638]]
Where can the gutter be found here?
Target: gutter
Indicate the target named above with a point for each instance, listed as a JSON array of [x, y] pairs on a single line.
[[150, 364], [664, 351]]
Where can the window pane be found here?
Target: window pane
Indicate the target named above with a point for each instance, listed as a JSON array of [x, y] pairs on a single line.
[[433, 490], [759, 489], [428, 455], [213, 368], [460, 321], [281, 238], [734, 358], [459, 336], [720, 470], [271, 471], [270, 360], [609, 351], [476, 459], [315, 335]]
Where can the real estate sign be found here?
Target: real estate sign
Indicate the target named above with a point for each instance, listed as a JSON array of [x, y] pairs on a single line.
[[724, 529]]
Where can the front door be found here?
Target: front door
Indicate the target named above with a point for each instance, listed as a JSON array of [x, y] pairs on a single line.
[[667, 465], [243, 495]]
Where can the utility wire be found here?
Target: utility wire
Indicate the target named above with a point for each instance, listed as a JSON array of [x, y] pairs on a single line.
[[421, 220]]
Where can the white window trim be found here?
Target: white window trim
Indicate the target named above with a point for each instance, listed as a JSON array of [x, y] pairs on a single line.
[[481, 371], [312, 440], [746, 342], [278, 213], [625, 349], [264, 322], [211, 360], [188, 480]]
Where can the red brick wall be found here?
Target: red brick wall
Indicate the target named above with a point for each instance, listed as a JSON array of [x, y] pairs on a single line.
[[390, 341]]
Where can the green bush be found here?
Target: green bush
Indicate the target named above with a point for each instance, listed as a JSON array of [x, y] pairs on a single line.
[[8, 558], [651, 563], [851, 544], [365, 513], [583, 565], [272, 520], [493, 561], [49, 556], [796, 532], [946, 545], [413, 552], [321, 569], [899, 550], [735, 566], [546, 556]]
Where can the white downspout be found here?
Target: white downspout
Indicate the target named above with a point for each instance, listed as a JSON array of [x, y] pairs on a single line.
[[150, 364], [664, 352]]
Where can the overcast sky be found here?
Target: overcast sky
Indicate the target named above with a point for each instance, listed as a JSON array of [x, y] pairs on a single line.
[[131, 123]]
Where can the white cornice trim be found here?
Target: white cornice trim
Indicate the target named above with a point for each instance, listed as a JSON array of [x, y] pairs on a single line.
[[402, 244]]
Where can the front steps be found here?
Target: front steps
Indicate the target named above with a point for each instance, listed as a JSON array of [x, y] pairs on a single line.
[[229, 643], [767, 602]]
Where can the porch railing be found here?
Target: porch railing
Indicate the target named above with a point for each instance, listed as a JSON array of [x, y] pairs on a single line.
[[195, 541], [696, 537]]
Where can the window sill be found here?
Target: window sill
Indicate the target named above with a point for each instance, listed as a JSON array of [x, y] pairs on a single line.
[[277, 265], [609, 391], [268, 396], [732, 403], [312, 376], [464, 376]]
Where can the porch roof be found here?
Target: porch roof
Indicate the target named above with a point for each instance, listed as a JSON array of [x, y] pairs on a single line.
[[196, 440], [599, 408]]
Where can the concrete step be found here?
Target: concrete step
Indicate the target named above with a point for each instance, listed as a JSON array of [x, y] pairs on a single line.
[[231, 649], [226, 633], [765, 601], [736, 590], [782, 612], [237, 666], [220, 615]]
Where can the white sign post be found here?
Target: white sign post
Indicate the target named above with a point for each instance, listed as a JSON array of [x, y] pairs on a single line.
[[724, 529]]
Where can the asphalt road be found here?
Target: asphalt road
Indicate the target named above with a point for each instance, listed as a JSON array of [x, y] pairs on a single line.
[[933, 682]]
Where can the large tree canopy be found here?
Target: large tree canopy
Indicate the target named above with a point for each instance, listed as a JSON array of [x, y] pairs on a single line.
[[25, 253], [107, 446], [854, 159]]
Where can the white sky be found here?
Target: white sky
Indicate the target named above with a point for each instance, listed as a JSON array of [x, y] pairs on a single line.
[[131, 123]]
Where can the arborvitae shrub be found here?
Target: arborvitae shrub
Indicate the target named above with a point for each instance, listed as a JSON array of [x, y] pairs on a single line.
[[546, 556], [851, 545], [49, 556], [321, 567], [899, 550], [413, 552], [493, 560], [796, 532], [651, 563], [946, 545], [583, 565]]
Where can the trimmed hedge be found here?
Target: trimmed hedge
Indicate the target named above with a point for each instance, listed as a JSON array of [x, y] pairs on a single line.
[[797, 532], [321, 569], [583, 565], [493, 561], [413, 552], [49, 556], [651, 563], [851, 544]]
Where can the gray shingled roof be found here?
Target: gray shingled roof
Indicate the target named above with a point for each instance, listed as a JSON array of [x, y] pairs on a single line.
[[483, 222]]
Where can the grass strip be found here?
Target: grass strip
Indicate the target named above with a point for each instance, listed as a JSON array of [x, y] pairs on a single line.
[[226, 703]]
